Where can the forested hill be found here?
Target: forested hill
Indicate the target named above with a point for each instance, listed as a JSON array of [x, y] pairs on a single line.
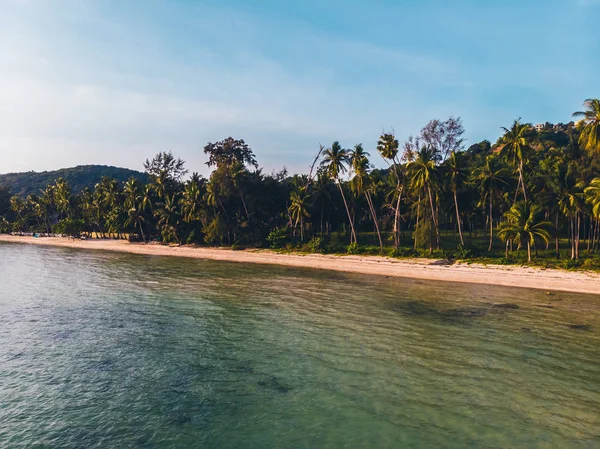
[[79, 177]]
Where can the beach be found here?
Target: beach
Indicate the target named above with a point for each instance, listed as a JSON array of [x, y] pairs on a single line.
[[424, 269]]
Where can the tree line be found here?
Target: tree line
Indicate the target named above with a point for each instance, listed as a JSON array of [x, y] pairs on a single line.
[[536, 189]]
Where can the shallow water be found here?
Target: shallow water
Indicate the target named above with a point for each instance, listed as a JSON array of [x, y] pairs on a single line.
[[104, 350]]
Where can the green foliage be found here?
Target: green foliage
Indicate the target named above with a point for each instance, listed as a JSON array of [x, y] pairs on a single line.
[[316, 245], [433, 200], [215, 231], [422, 234], [591, 264], [278, 238], [570, 264], [4, 225], [464, 252], [79, 178], [402, 252], [353, 248], [69, 226]]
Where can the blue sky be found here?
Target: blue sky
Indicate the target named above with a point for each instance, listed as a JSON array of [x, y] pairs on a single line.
[[114, 82]]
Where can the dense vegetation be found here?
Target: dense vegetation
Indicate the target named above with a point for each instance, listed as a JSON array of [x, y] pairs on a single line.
[[80, 177], [533, 194]]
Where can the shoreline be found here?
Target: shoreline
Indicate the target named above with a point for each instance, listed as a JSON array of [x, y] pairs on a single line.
[[424, 269]]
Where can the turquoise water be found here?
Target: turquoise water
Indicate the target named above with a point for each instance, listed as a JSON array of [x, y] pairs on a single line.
[[103, 350]]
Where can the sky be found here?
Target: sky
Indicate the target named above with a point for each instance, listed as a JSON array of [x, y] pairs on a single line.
[[114, 82]]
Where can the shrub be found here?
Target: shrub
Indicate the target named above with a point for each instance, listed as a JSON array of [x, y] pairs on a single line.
[[403, 252], [316, 245], [277, 238], [464, 252], [569, 264], [353, 248], [591, 264]]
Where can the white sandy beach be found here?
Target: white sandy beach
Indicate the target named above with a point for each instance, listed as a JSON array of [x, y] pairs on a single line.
[[513, 276]]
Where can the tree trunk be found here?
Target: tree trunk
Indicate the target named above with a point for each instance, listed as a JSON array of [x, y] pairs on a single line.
[[572, 235], [557, 239], [417, 222], [522, 180], [462, 242], [589, 234], [374, 215], [434, 219], [142, 231], [397, 220], [244, 204], [322, 209], [491, 224], [353, 233], [577, 237], [528, 250]]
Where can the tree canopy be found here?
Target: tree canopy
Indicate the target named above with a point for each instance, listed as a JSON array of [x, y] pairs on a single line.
[[533, 186]]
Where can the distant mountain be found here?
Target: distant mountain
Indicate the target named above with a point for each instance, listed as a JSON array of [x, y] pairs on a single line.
[[79, 177]]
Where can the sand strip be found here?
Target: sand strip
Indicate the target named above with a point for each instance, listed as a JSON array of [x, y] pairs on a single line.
[[435, 270]]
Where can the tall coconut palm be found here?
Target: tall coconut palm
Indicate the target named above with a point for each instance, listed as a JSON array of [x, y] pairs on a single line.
[[424, 176], [298, 210], [132, 201], [238, 173], [147, 198], [592, 193], [590, 132], [514, 145], [62, 195], [387, 146], [491, 178], [524, 224], [457, 175], [336, 159], [362, 182], [135, 218], [131, 190], [168, 219], [190, 201], [569, 195]]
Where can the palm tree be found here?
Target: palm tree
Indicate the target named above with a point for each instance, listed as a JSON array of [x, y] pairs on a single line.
[[491, 177], [336, 159], [190, 202], [569, 195], [238, 172], [136, 219], [387, 146], [592, 193], [424, 176], [457, 176], [321, 194], [47, 199], [168, 219], [299, 211], [62, 195], [362, 182], [514, 145], [590, 132], [17, 205], [524, 223], [131, 190], [147, 197]]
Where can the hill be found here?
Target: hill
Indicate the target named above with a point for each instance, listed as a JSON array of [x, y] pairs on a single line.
[[79, 177]]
